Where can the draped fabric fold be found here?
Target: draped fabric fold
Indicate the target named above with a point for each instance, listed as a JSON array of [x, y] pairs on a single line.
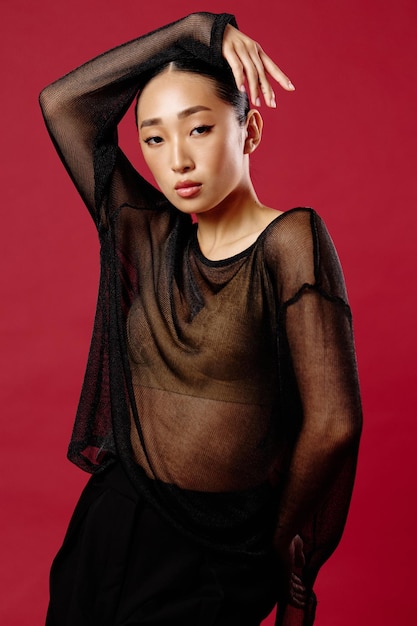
[[227, 389]]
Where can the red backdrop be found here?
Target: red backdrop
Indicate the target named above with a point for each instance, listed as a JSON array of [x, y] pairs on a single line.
[[344, 142]]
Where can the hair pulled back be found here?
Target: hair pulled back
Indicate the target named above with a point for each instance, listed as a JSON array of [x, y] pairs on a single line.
[[221, 77]]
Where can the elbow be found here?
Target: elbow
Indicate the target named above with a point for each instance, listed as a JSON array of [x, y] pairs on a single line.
[[337, 432], [47, 102], [44, 100], [51, 105], [344, 432]]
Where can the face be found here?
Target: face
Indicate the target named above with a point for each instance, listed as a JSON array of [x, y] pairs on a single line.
[[192, 142]]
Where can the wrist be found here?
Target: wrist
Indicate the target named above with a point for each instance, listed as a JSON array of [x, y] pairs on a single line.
[[283, 538]]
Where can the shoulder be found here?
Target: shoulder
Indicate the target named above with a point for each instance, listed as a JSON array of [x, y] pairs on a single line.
[[298, 251], [291, 233]]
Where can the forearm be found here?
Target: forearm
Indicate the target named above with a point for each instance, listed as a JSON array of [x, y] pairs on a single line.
[[314, 506], [82, 109], [321, 458], [127, 60]]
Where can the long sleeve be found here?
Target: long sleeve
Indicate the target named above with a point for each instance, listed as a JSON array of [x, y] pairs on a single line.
[[81, 111], [316, 335], [83, 108]]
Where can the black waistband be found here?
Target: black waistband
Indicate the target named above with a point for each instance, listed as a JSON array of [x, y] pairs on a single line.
[[238, 522]]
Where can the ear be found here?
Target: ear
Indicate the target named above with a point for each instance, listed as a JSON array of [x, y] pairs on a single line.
[[254, 124]]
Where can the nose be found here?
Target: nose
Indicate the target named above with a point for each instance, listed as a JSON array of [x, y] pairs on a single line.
[[181, 160]]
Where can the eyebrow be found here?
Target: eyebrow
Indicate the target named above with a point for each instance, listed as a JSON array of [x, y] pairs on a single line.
[[155, 121]]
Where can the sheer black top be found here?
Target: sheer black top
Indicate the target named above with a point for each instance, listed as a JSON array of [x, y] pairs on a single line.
[[228, 389]]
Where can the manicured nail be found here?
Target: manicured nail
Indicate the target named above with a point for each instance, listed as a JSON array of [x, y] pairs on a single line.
[[258, 102], [273, 103], [242, 88], [291, 86]]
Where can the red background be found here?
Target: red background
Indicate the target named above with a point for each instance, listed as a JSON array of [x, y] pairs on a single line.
[[344, 142]]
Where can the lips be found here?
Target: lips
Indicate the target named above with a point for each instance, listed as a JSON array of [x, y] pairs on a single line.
[[187, 188]]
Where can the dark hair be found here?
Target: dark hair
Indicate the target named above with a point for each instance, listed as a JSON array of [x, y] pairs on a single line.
[[221, 77]]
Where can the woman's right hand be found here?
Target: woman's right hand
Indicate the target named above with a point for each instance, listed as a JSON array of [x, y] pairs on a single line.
[[249, 62]]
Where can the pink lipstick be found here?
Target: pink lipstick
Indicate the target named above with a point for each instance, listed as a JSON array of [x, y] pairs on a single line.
[[187, 188]]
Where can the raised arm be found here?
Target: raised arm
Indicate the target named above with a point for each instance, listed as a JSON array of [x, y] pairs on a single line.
[[83, 108], [317, 335]]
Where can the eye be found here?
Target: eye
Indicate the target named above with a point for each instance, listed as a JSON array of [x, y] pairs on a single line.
[[201, 130], [153, 141]]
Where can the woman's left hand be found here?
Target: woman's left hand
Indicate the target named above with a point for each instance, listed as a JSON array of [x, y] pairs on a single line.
[[248, 61], [291, 562]]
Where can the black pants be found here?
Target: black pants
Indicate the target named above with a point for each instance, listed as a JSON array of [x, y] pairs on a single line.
[[122, 565]]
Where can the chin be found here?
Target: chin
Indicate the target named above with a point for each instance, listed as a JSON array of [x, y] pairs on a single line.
[[189, 207]]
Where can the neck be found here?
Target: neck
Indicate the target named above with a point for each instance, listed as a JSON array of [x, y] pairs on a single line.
[[234, 210], [234, 225]]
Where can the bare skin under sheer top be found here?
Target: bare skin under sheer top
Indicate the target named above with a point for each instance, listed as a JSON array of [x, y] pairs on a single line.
[[228, 389]]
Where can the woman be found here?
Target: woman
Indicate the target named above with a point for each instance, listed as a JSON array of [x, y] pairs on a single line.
[[220, 411]]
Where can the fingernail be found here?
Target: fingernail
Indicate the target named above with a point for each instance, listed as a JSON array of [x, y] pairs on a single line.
[[242, 88], [258, 102], [273, 103], [291, 86]]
